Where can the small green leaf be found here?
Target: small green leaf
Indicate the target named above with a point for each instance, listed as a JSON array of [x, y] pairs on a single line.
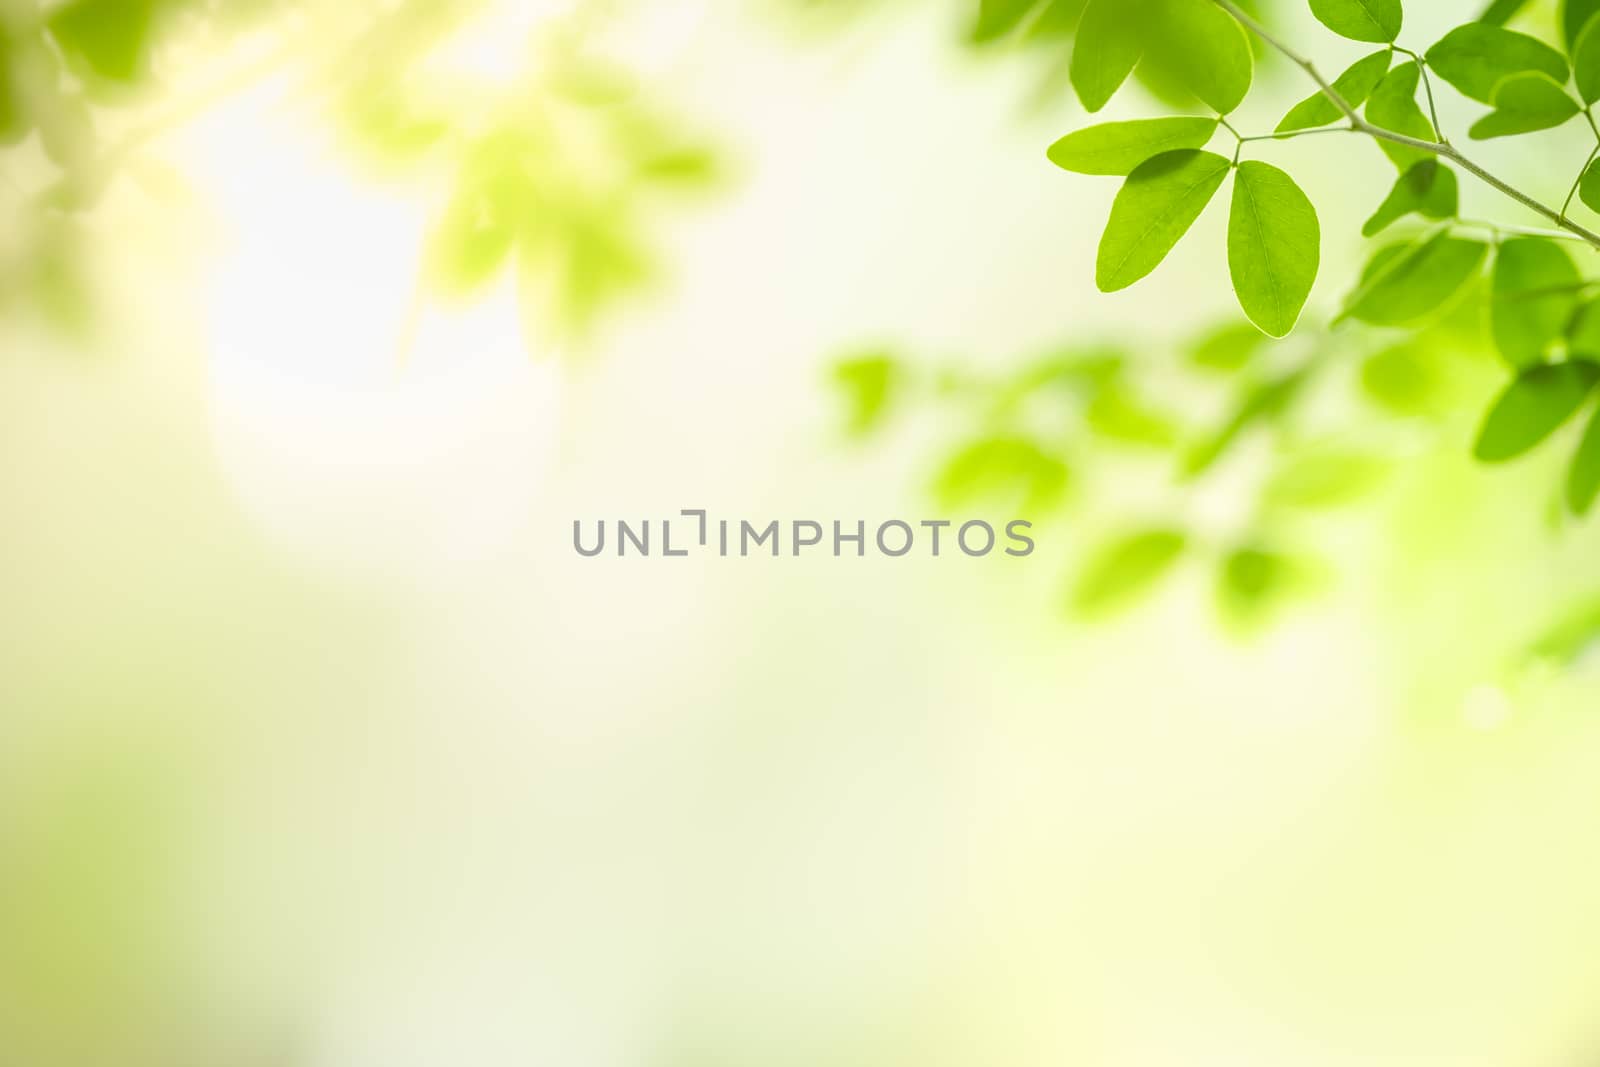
[[1401, 379], [1005, 465], [1120, 417], [1355, 85], [1125, 569], [1252, 583], [1274, 246], [1376, 21], [1533, 407], [1107, 49], [1535, 295], [1476, 57], [1524, 103], [1589, 187], [1116, 148], [1324, 480], [1583, 478], [1393, 106], [869, 383], [1156, 206], [1429, 188], [1575, 16], [1405, 282], [1202, 46]]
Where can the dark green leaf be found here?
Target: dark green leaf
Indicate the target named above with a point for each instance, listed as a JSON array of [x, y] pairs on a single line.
[[1589, 187], [1116, 148], [1476, 57], [1377, 21], [1274, 246], [1501, 12], [1429, 188], [1393, 106], [1533, 407], [1355, 85], [1535, 295], [1108, 47], [1583, 479], [1586, 62], [1156, 206], [1575, 15], [110, 38], [1125, 569], [997, 18], [1524, 103], [1405, 282]]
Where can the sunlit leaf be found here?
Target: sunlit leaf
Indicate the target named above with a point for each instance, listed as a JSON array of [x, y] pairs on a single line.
[[1429, 188], [1533, 407], [1393, 106], [1118, 416], [1228, 348], [1126, 569], [1161, 199], [1324, 480], [1405, 282], [1535, 294], [1107, 49], [1203, 47], [869, 382], [1525, 103], [1008, 465], [1401, 379], [996, 18], [1252, 583], [1476, 58], [1354, 86], [1116, 148], [1376, 21], [1274, 246]]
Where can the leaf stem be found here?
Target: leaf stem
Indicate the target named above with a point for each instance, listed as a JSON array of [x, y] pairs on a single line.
[[1438, 148], [1427, 85]]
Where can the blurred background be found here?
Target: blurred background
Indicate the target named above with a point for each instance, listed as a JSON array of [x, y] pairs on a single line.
[[320, 323]]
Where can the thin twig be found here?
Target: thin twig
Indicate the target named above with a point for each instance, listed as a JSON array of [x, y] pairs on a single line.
[[1436, 148]]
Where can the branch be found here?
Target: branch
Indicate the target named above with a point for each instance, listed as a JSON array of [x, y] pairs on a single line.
[[1437, 148]]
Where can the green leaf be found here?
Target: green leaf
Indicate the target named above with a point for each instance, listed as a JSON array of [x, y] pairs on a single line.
[[1118, 416], [1156, 206], [1429, 188], [1583, 335], [1575, 15], [1005, 465], [1589, 187], [997, 18], [1324, 480], [1401, 379], [1355, 85], [1116, 148], [1377, 21], [1228, 348], [1125, 569], [1476, 57], [1535, 294], [869, 382], [1393, 106], [1586, 62], [111, 38], [1501, 12], [1258, 403], [1274, 246], [1525, 103], [1108, 47], [1202, 46], [1533, 407], [1252, 583], [1583, 477], [1403, 283]]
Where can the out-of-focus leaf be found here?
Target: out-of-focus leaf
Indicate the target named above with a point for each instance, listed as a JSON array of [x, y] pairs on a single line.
[[1115, 414], [14, 119], [1325, 480], [1355, 85], [1583, 334], [1108, 47], [1401, 379], [1008, 465], [1477, 57], [1126, 569], [1533, 407], [997, 18], [1535, 295], [1393, 106], [869, 382], [1203, 46], [109, 38], [1274, 246], [1500, 12], [1157, 204], [1583, 479], [383, 120], [1589, 187], [1116, 148], [1406, 282], [1525, 103], [1374, 21], [1258, 403], [1253, 583], [1228, 348], [1429, 188]]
